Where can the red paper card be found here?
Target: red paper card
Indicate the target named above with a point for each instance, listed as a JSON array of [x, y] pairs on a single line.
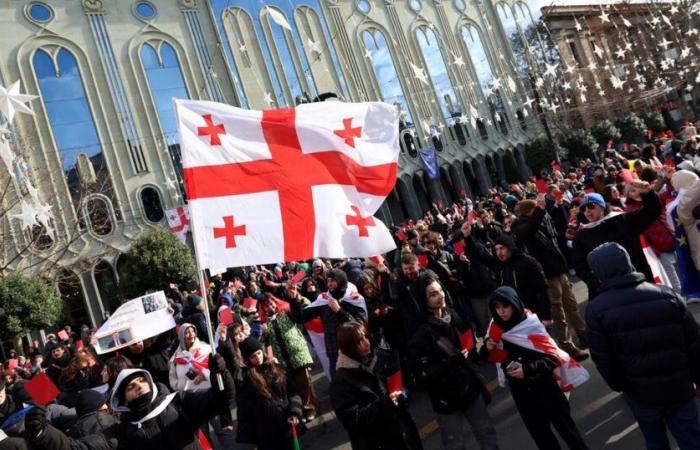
[[79, 344], [669, 162], [298, 277], [41, 389], [589, 190], [394, 383], [226, 316], [558, 195], [541, 186], [237, 284], [466, 339], [423, 260], [249, 303], [62, 335], [400, 235], [12, 364], [459, 247], [377, 259], [627, 176], [471, 216]]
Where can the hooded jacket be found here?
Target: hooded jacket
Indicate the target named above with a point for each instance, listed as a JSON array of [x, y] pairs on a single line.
[[538, 382], [187, 360], [521, 272], [538, 235], [167, 421], [642, 338], [623, 229]]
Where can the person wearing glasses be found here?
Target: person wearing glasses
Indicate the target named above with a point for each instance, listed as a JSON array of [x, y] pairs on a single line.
[[624, 228]]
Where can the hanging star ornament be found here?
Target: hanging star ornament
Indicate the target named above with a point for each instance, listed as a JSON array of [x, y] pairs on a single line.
[[616, 82], [268, 99], [664, 43], [419, 73], [625, 22], [578, 25], [528, 102], [313, 46], [551, 70], [458, 61], [604, 17], [27, 216], [11, 101]]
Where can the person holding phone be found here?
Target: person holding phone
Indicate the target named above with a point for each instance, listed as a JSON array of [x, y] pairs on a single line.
[[537, 396]]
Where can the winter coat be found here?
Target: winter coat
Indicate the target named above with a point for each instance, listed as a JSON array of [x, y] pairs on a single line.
[[261, 420], [95, 422], [642, 338], [174, 428], [361, 403], [184, 361], [623, 229], [521, 272], [288, 345], [539, 237], [440, 367]]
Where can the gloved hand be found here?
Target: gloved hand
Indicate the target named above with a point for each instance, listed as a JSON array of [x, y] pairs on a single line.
[[216, 363], [35, 421]]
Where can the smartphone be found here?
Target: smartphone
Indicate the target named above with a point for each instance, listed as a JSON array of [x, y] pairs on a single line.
[[512, 366]]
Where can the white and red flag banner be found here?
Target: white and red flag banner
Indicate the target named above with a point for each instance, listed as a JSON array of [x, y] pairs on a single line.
[[531, 334], [287, 184], [179, 221]]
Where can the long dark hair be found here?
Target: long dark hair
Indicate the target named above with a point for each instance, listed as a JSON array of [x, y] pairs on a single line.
[[115, 365], [260, 381]]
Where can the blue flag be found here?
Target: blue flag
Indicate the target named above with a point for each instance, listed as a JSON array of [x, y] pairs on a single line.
[[430, 162], [688, 274]]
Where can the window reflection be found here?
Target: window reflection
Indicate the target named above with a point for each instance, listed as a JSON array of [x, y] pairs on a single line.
[[438, 73], [72, 125], [166, 82]]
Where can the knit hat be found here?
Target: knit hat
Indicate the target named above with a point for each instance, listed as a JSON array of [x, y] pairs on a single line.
[[249, 346], [595, 198], [505, 240], [89, 401], [683, 179], [525, 206]]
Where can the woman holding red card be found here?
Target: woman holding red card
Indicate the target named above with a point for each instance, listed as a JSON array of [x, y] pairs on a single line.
[[373, 412], [443, 359]]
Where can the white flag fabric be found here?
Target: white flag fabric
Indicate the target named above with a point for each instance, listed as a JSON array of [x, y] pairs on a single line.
[[287, 184], [179, 221], [531, 334]]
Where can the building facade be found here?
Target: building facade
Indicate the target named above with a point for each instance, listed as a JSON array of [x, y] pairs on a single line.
[[99, 159], [646, 47]]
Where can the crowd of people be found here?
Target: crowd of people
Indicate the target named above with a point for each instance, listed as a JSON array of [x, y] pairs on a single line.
[[482, 280]]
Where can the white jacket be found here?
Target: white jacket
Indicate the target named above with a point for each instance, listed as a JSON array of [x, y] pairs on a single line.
[[199, 352]]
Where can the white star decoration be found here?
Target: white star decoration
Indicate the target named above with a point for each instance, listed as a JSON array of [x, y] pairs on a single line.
[[419, 73], [604, 17], [11, 101], [268, 99], [459, 61], [314, 47], [550, 70], [528, 102], [28, 215], [664, 43], [616, 82]]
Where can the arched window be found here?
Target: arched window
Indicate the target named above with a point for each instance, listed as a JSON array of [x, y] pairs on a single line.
[[485, 75], [508, 20], [433, 56], [166, 82], [107, 285], [152, 206], [282, 45], [72, 296], [72, 123], [99, 213], [385, 71]]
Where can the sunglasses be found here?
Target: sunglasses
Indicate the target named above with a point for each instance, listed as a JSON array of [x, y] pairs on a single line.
[[590, 206]]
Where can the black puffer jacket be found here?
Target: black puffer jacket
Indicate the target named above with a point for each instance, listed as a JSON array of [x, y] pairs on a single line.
[[450, 379], [538, 235], [642, 338], [361, 403], [623, 229], [261, 420]]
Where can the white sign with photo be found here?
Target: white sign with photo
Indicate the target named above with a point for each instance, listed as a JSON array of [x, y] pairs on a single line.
[[135, 320]]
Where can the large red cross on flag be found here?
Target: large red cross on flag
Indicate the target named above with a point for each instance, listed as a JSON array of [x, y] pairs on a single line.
[[287, 184]]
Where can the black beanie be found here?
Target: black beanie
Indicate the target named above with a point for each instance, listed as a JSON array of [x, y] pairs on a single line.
[[249, 346], [89, 401], [506, 241]]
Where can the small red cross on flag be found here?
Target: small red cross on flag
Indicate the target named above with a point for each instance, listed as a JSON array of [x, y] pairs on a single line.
[[211, 130], [296, 191]]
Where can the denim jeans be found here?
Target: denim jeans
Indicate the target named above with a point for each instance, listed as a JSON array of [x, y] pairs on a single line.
[[681, 421]]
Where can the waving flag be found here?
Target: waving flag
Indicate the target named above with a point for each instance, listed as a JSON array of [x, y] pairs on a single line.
[[287, 184], [531, 334], [179, 222]]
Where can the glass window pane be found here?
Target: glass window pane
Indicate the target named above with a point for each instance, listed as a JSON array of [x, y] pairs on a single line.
[[166, 83], [437, 70], [40, 12]]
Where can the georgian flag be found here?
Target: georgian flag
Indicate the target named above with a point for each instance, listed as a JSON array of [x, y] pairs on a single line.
[[531, 334], [287, 184], [179, 221]]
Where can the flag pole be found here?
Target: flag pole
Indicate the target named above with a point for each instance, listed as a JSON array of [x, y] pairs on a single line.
[[200, 272]]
